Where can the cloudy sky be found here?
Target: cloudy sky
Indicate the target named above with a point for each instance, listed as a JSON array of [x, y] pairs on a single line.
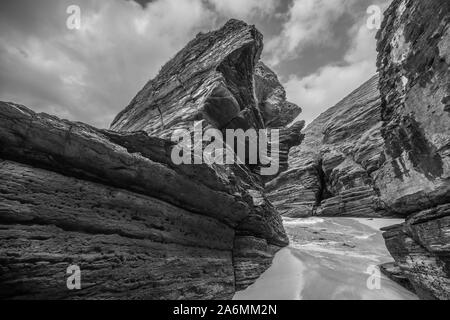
[[321, 49]]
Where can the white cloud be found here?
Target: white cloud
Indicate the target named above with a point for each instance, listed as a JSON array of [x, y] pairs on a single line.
[[243, 9], [324, 88], [309, 22]]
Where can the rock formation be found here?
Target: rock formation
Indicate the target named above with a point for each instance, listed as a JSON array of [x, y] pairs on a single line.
[[385, 149], [217, 79], [113, 203], [332, 172], [413, 63], [139, 226]]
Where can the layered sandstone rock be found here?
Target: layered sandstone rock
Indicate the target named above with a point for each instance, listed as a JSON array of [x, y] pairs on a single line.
[[137, 228], [277, 113], [420, 248], [218, 80], [114, 203], [332, 172], [214, 78], [385, 149], [413, 62]]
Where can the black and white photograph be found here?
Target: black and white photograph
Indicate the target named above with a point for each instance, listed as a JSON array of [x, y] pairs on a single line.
[[224, 156]]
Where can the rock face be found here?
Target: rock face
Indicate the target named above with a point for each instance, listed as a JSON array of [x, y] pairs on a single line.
[[218, 80], [214, 78], [413, 62], [113, 203], [332, 172], [277, 113], [420, 248], [385, 149], [137, 228]]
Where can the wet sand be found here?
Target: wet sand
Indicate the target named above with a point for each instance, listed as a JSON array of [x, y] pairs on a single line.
[[328, 259]]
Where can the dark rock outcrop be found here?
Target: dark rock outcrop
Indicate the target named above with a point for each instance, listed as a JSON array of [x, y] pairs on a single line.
[[393, 272], [420, 248], [276, 111], [385, 149], [214, 78], [218, 79], [332, 172], [137, 228], [413, 62], [113, 203]]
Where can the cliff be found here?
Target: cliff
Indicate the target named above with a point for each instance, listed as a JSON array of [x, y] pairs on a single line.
[[413, 62], [332, 173], [385, 149], [113, 203]]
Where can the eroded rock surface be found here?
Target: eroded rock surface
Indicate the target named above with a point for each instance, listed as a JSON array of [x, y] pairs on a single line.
[[114, 203], [413, 63], [218, 80], [136, 227], [385, 149]]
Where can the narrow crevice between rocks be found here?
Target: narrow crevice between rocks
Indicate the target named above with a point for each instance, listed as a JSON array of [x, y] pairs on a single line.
[[324, 193]]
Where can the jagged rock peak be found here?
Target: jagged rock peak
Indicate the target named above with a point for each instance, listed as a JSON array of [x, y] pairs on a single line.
[[175, 97], [218, 78]]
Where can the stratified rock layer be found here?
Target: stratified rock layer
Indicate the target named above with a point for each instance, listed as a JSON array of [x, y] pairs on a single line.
[[218, 80], [413, 62], [385, 149], [136, 227], [217, 77], [113, 203], [332, 172]]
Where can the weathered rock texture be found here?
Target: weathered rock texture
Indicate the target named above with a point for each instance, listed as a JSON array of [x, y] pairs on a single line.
[[277, 113], [413, 62], [385, 149], [420, 248], [113, 203], [217, 79], [136, 227], [214, 78], [332, 172]]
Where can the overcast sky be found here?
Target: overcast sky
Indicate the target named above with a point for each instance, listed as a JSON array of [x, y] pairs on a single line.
[[321, 49]]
